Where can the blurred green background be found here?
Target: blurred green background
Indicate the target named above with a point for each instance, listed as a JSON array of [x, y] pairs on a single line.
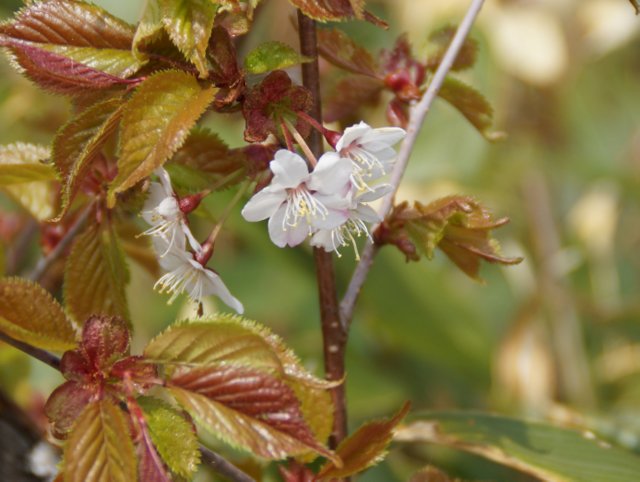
[[557, 337]]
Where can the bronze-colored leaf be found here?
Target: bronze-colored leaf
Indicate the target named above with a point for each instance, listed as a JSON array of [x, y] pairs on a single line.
[[337, 10], [28, 313], [341, 50], [96, 275], [349, 95], [155, 123], [364, 448], [100, 448], [79, 142], [431, 474]]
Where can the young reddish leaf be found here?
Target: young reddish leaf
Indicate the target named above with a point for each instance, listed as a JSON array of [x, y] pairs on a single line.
[[364, 448], [336, 10], [247, 408], [471, 104], [20, 162], [189, 24], [296, 472], [56, 72], [65, 403], [272, 56], [104, 340], [100, 448], [172, 435], [96, 274], [121, 63], [79, 142], [28, 313], [151, 467], [341, 50], [272, 101], [349, 95], [441, 39], [149, 28], [155, 123], [224, 59]]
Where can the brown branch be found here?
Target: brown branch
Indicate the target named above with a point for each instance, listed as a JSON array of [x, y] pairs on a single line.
[[45, 263], [334, 337], [42, 355], [418, 114]]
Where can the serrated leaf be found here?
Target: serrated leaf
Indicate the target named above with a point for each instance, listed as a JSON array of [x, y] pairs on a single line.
[[79, 142], [189, 24], [272, 56], [441, 39], [224, 58], [248, 409], [336, 10], [21, 162], [172, 435], [100, 448], [542, 450], [341, 50], [28, 313], [471, 104], [121, 63], [95, 275], [149, 28], [366, 447], [155, 123]]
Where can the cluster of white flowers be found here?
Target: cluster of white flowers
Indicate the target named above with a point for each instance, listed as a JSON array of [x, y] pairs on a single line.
[[170, 233], [330, 203]]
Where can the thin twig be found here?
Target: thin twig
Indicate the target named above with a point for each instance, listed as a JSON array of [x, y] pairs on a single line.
[[44, 263], [334, 337], [418, 114], [223, 467], [42, 355]]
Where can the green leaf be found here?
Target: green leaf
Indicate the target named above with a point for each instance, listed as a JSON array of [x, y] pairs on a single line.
[[155, 123], [272, 56], [79, 142], [20, 163], [28, 313], [341, 50], [471, 104], [100, 448], [189, 24], [121, 63], [149, 28], [366, 447], [172, 435], [95, 275], [539, 449]]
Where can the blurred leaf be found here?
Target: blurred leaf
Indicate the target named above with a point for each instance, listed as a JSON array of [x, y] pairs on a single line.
[[79, 142], [636, 5], [272, 56], [223, 56], [172, 435], [189, 24], [155, 123], [339, 49], [541, 450], [20, 162], [441, 39], [138, 248], [28, 313], [431, 474], [100, 448], [349, 95], [96, 275], [364, 448], [471, 104], [336, 10]]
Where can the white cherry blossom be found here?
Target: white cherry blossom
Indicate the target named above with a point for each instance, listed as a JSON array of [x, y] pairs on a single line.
[[185, 274], [298, 202], [371, 151]]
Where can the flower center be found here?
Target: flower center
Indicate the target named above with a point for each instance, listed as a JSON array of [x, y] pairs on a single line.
[[302, 204]]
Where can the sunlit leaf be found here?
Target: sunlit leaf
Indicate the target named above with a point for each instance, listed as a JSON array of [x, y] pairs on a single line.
[[149, 28], [336, 10], [155, 123], [541, 450], [366, 447], [121, 63], [272, 56], [172, 435], [471, 104], [96, 274], [79, 142], [21, 162], [28, 313], [189, 24], [341, 50], [100, 448]]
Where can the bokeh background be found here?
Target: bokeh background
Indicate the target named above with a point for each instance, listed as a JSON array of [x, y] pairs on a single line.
[[555, 338]]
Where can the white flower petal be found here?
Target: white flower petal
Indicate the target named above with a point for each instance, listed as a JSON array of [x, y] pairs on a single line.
[[277, 231], [382, 137], [213, 285], [351, 134], [263, 204], [155, 196], [289, 169], [331, 175]]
